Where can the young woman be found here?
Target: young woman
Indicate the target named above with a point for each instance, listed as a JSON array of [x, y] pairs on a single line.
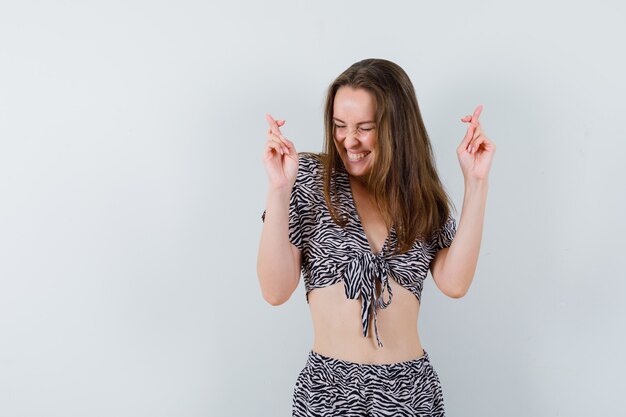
[[364, 221]]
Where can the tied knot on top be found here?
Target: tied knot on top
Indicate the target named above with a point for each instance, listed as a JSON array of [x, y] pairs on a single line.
[[360, 279]]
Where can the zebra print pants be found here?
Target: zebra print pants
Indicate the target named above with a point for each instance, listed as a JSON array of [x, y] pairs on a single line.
[[334, 387]]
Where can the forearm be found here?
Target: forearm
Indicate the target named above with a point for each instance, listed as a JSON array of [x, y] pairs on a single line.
[[462, 258], [276, 266]]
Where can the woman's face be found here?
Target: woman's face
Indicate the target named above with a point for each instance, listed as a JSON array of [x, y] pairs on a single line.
[[354, 121]]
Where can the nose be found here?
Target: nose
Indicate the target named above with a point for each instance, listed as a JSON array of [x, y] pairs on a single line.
[[352, 136], [351, 139]]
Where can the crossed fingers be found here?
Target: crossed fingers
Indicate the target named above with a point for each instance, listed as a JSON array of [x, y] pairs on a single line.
[[474, 135], [276, 140]]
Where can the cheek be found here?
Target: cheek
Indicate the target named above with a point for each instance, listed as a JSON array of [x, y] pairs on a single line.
[[371, 141], [338, 141]]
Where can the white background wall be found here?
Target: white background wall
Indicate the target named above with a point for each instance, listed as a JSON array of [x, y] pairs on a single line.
[[131, 189]]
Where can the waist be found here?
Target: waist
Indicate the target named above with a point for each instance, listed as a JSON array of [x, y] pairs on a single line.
[[364, 350], [349, 367], [338, 329]]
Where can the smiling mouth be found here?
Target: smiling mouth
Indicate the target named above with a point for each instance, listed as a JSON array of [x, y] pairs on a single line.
[[356, 156]]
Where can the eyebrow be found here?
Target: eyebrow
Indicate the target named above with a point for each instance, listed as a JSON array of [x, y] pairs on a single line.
[[360, 123]]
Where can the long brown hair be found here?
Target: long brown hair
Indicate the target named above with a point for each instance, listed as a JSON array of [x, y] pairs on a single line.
[[403, 177]]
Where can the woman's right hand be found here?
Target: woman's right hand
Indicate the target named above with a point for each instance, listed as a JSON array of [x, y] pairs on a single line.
[[280, 157]]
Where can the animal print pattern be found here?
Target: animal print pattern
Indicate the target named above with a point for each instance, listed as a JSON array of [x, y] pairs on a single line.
[[331, 253], [334, 387]]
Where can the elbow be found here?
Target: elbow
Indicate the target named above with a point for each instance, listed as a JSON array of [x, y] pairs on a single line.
[[276, 288], [275, 300], [455, 288], [457, 292], [273, 295]]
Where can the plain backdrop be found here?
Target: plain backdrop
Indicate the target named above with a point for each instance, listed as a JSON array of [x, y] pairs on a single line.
[[132, 187]]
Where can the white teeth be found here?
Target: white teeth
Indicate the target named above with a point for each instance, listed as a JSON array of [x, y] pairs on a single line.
[[357, 156]]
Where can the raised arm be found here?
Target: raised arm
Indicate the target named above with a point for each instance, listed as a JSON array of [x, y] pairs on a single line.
[[278, 260], [453, 268]]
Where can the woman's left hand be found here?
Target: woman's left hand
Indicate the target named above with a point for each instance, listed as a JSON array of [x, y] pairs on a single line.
[[476, 151]]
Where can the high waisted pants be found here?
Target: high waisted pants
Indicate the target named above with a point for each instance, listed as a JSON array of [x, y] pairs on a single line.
[[334, 387]]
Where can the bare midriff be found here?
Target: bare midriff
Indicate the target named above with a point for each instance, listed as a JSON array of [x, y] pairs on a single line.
[[338, 331]]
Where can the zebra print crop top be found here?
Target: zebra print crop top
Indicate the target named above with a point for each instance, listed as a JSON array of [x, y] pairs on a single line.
[[331, 253]]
